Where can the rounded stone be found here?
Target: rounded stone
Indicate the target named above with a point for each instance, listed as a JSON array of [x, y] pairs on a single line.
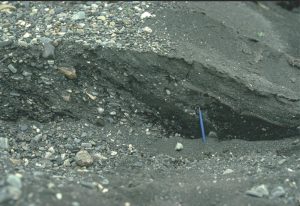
[[83, 158]]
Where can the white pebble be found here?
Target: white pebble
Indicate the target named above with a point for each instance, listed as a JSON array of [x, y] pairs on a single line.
[[105, 190], [258, 191], [48, 155], [227, 171], [59, 196], [127, 204], [113, 153], [100, 110], [178, 146], [113, 113], [26, 35], [147, 29], [51, 149], [146, 14]]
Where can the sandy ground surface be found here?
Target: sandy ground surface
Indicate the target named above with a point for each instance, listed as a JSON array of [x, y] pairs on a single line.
[[92, 104]]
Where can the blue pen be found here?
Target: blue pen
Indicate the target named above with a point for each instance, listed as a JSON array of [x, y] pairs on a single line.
[[202, 126]]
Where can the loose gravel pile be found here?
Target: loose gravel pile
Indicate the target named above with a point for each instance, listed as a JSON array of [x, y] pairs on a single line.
[[118, 25]]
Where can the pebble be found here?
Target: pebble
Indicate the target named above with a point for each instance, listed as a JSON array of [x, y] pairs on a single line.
[[59, 196], [51, 62], [99, 156], [12, 68], [297, 198], [258, 191], [78, 16], [102, 18], [48, 155], [146, 14], [227, 171], [280, 162], [23, 44], [83, 158], [113, 153], [38, 137], [295, 142], [48, 50], [168, 92], [100, 110], [147, 29], [26, 74], [178, 146], [5, 43], [86, 145], [104, 180], [9, 193], [212, 134], [75, 204], [69, 72], [278, 192], [51, 150], [14, 180], [14, 94], [67, 163], [4, 143], [45, 40], [26, 35], [105, 190], [84, 134], [113, 113], [90, 185], [17, 77]]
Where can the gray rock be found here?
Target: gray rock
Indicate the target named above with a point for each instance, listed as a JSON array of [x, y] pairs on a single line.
[[75, 204], [78, 16], [14, 94], [38, 137], [297, 198], [23, 127], [280, 162], [83, 158], [278, 192], [228, 171], [90, 185], [12, 68], [86, 145], [45, 40], [258, 191], [5, 43], [48, 50], [9, 193], [76, 140], [293, 80], [67, 163], [22, 43], [14, 181], [212, 134], [104, 180], [4, 143], [17, 77]]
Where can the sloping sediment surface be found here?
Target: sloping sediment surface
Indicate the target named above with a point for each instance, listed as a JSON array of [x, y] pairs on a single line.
[[236, 104]]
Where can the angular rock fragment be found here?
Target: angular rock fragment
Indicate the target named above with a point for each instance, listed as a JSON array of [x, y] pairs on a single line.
[[69, 72]]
